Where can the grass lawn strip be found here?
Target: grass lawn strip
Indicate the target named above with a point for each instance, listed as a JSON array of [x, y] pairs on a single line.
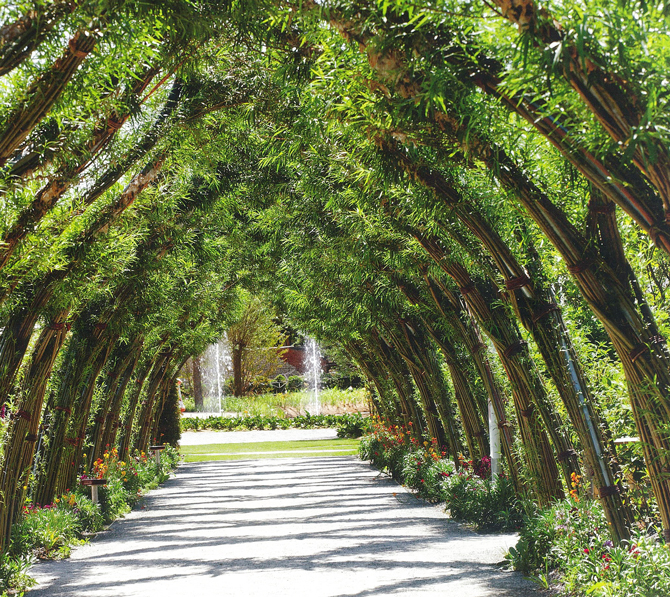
[[301, 448]]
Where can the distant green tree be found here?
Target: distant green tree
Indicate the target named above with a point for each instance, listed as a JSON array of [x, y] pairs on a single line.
[[254, 339]]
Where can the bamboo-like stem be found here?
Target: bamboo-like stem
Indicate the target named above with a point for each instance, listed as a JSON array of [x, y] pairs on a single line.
[[397, 369], [388, 404], [19, 39], [21, 437], [107, 421], [47, 197], [463, 322], [133, 401], [43, 93], [526, 385], [72, 453], [144, 417]]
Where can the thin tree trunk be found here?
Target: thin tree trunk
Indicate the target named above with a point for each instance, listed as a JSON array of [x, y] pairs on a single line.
[[79, 358], [133, 402], [197, 383], [22, 434], [456, 313], [238, 389], [527, 387], [401, 378], [144, 418], [113, 421], [75, 443], [68, 174], [388, 405], [106, 418], [43, 93], [20, 38]]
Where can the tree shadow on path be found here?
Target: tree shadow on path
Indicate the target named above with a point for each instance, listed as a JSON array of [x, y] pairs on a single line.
[[323, 527]]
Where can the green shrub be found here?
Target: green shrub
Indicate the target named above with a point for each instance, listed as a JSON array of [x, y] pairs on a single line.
[[115, 499], [261, 422], [127, 480], [89, 515], [14, 577], [45, 532], [490, 505], [295, 383], [353, 425], [385, 448], [425, 472]]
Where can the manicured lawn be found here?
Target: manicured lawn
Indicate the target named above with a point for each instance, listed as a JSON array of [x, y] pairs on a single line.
[[247, 451]]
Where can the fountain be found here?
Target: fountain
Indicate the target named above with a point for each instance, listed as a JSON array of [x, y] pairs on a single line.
[[313, 374], [216, 367]]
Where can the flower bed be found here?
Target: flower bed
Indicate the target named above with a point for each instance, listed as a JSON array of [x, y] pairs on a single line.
[[50, 531], [565, 546], [466, 490], [568, 544]]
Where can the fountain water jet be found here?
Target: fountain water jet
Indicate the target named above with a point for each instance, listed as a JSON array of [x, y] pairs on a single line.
[[216, 368], [313, 370]]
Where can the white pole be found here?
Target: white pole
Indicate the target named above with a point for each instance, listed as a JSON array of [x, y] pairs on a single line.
[[218, 375], [494, 436], [316, 379]]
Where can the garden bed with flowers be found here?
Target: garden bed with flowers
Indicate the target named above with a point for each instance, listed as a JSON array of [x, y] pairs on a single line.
[[464, 486], [50, 531], [566, 546]]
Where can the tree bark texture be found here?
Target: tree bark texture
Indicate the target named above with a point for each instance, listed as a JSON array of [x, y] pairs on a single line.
[[22, 435]]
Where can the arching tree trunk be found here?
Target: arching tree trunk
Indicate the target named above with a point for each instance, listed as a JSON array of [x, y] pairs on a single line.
[[21, 436], [19, 39], [105, 434], [537, 311], [387, 404], [527, 387], [397, 369], [133, 402], [462, 321], [145, 416], [43, 93], [73, 451], [78, 357]]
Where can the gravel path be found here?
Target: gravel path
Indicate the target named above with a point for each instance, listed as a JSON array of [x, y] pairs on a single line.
[[317, 527]]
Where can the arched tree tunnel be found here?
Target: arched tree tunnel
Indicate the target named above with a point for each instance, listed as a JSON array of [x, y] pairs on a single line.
[[470, 199]]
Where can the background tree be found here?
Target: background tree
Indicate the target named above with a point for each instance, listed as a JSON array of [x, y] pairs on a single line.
[[255, 340]]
